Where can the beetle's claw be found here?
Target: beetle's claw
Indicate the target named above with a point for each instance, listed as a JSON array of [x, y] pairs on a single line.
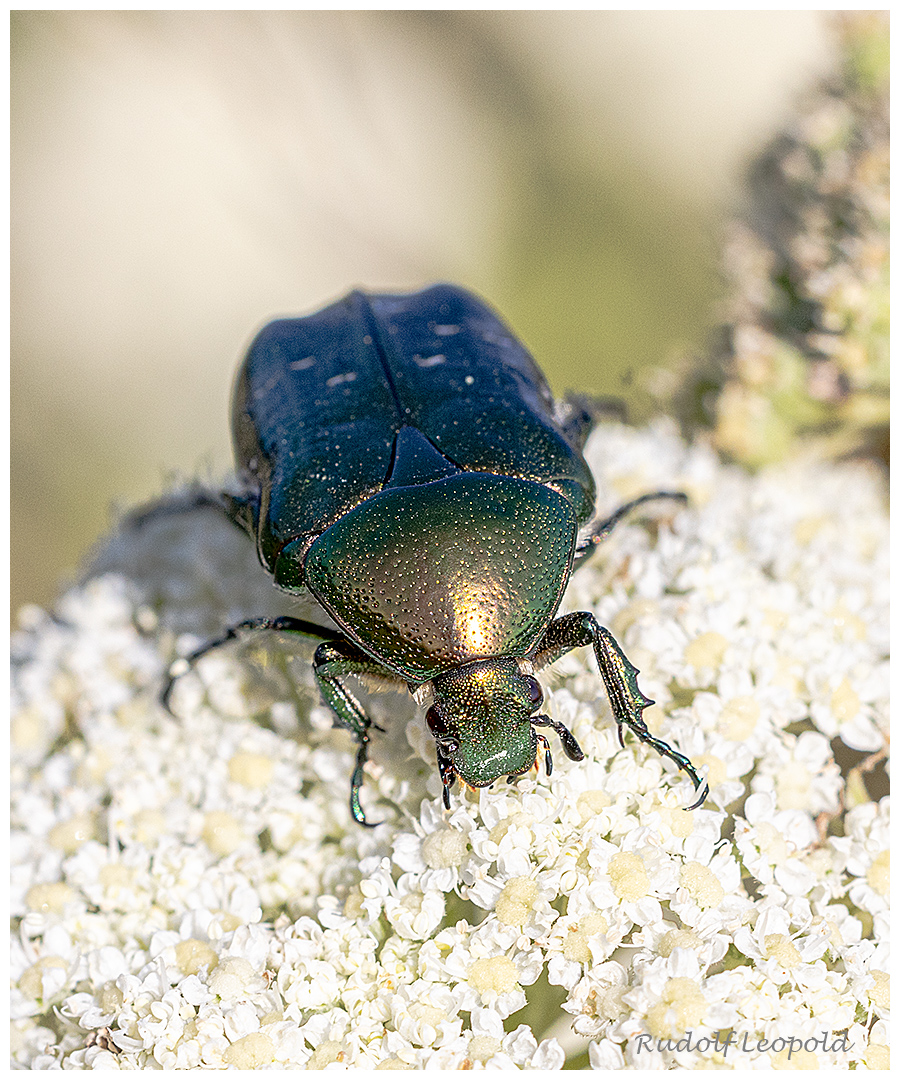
[[703, 788], [701, 784], [176, 669], [165, 696]]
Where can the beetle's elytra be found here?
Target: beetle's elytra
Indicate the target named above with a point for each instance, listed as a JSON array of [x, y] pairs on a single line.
[[404, 461]]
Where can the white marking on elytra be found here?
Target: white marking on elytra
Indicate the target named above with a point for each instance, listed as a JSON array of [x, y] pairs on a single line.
[[344, 377], [446, 330], [302, 365], [431, 361], [262, 392]]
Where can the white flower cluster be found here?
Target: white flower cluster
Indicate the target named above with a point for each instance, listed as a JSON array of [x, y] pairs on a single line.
[[191, 890]]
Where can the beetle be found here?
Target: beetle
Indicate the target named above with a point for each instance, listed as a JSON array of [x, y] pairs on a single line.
[[403, 460]]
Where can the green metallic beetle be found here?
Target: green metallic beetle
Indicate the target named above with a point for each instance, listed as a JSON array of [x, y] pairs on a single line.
[[404, 461]]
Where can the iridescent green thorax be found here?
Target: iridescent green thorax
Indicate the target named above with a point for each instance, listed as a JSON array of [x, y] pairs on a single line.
[[434, 575]]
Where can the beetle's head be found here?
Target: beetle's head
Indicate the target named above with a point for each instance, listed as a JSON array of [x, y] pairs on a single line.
[[483, 723]]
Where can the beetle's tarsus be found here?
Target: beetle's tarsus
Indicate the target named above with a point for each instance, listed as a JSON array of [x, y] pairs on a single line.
[[628, 703], [356, 782], [683, 763]]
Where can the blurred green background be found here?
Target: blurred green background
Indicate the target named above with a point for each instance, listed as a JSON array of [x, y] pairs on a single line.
[[179, 178]]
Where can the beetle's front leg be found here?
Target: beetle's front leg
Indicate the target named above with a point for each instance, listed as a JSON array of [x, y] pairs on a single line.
[[620, 679], [333, 660]]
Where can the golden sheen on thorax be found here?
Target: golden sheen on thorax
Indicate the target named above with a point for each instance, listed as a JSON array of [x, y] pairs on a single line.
[[474, 566]]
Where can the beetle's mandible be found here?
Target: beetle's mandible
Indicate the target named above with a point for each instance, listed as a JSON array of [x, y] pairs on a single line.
[[404, 461]]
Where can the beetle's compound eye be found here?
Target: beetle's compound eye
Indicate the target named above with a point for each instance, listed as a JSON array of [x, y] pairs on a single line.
[[535, 693], [435, 721]]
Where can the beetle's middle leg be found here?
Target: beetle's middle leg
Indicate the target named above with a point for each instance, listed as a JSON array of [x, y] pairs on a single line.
[[587, 545], [284, 623], [619, 677]]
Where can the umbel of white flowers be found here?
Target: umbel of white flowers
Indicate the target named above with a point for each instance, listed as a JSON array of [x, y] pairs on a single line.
[[192, 892]]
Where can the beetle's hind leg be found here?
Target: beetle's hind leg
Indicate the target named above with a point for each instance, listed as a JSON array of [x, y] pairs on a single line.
[[587, 545], [238, 509], [579, 414], [620, 679]]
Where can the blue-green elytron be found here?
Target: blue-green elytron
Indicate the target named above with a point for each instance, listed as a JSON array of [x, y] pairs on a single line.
[[405, 462]]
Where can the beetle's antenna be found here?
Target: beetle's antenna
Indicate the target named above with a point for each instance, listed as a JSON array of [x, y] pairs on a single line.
[[448, 776], [570, 744], [548, 759]]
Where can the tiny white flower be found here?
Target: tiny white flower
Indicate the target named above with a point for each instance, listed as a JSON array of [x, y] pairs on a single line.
[[865, 854]]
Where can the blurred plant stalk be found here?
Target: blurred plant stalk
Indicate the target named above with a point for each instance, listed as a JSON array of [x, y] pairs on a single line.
[[803, 357]]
